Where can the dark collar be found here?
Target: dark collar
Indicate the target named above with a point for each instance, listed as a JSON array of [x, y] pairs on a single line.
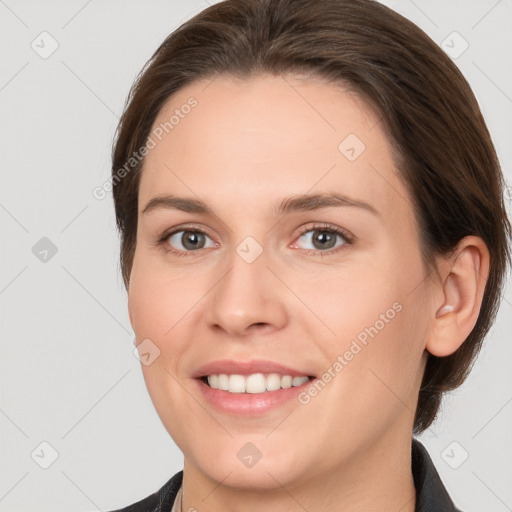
[[431, 495]]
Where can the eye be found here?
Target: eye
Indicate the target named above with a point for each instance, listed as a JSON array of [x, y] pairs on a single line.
[[186, 240], [325, 238]]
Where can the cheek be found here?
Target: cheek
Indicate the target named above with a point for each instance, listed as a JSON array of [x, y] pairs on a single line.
[[164, 308], [353, 298], [374, 367], [160, 309], [377, 323], [158, 303]]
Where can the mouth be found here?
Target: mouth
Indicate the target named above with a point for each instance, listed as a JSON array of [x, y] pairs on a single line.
[[254, 383], [250, 388]]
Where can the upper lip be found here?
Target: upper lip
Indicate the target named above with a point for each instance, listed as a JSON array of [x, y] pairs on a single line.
[[232, 367]]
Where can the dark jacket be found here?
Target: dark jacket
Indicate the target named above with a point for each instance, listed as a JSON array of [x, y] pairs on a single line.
[[431, 495]]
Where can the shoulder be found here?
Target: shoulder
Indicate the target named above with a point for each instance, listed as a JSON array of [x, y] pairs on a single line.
[[160, 501]]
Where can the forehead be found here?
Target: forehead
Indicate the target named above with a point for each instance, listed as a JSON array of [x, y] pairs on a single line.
[[253, 141]]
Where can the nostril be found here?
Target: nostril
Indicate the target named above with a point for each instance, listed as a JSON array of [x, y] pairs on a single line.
[[260, 323]]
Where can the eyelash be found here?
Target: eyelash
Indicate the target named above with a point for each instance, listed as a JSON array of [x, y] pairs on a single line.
[[347, 237]]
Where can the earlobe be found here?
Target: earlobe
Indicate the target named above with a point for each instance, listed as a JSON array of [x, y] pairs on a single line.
[[461, 290]]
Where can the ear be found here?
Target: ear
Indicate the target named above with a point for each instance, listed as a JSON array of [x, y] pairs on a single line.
[[459, 296]]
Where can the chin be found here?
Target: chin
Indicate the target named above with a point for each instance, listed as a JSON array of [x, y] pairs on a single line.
[[264, 475], [244, 464]]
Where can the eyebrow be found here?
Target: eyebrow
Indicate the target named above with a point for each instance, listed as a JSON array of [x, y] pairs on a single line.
[[296, 203]]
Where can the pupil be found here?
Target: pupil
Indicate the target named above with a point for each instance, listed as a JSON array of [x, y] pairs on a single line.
[[191, 239], [325, 236]]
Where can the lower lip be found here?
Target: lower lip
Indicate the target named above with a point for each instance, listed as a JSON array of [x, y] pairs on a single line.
[[250, 404]]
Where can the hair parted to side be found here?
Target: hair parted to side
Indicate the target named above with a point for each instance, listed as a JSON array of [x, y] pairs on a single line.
[[442, 147]]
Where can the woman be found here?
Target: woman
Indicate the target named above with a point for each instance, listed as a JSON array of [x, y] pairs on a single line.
[[314, 242]]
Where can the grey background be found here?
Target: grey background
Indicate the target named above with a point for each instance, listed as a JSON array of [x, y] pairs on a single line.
[[68, 374]]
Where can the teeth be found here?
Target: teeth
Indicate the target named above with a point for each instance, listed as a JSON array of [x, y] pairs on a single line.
[[213, 381], [286, 382], [255, 383], [273, 382], [236, 384], [297, 381]]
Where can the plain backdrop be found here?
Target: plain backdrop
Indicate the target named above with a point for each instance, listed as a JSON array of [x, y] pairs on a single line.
[[72, 393]]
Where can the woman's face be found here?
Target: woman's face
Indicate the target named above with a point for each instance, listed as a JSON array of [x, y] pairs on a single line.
[[255, 273]]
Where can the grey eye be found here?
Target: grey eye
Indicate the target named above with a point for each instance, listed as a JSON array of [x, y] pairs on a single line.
[[323, 239], [189, 240]]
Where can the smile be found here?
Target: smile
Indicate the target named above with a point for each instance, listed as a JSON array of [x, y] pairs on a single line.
[[254, 383]]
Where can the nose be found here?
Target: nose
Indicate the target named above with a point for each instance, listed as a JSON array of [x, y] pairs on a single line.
[[247, 299]]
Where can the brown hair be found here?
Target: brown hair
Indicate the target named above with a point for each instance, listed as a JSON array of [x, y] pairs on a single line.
[[443, 148]]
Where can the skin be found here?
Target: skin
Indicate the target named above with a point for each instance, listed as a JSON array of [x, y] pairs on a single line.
[[242, 149]]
